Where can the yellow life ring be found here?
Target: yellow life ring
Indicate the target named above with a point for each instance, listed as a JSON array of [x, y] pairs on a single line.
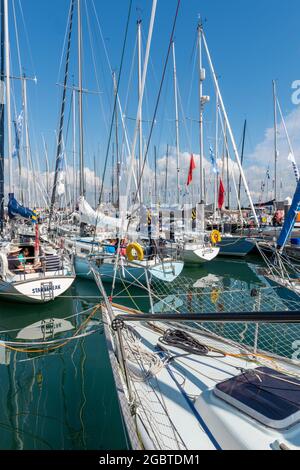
[[215, 237], [134, 251]]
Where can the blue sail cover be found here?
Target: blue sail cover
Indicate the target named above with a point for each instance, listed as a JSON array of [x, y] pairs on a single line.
[[15, 209], [290, 219]]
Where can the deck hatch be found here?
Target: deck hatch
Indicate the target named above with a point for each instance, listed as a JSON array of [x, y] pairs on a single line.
[[269, 396]]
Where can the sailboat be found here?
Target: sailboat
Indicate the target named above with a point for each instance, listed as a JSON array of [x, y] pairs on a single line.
[[196, 246], [45, 272], [134, 265], [205, 381], [200, 379]]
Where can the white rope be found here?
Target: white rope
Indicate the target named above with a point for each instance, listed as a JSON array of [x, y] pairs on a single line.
[[148, 364]]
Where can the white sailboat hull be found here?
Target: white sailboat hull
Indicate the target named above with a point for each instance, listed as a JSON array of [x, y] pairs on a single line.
[[38, 290], [128, 272], [195, 254]]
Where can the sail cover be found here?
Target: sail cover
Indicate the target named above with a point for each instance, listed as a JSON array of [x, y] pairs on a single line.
[[289, 220], [16, 210], [97, 218]]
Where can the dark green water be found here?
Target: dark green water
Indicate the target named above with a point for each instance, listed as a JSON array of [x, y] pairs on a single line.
[[66, 399]]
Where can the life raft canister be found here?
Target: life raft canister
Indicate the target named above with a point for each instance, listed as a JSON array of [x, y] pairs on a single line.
[[134, 251], [215, 237]]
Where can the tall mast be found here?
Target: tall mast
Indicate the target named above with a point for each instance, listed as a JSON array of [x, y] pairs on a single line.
[[236, 153], [117, 143], [62, 115], [216, 176], [74, 148], [155, 174], [8, 96], [201, 79], [202, 101], [242, 158], [177, 122], [47, 166], [27, 143], [167, 168], [95, 181], [275, 140], [139, 33], [144, 76], [2, 117], [81, 158], [227, 173]]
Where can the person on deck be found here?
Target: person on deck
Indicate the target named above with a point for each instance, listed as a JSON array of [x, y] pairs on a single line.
[[14, 263]]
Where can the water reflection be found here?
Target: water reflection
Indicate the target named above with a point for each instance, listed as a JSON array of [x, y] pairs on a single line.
[[64, 397], [61, 396]]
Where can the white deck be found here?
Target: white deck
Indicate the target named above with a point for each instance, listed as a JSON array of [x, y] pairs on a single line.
[[179, 409]]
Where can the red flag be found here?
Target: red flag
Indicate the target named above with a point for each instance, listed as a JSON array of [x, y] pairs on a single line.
[[221, 198], [192, 168]]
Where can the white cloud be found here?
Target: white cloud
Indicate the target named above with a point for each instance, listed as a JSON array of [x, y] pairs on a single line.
[[255, 170], [264, 155]]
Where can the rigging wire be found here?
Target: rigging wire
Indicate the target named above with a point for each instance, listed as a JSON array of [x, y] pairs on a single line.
[[64, 43], [157, 102], [27, 38], [115, 100], [94, 65]]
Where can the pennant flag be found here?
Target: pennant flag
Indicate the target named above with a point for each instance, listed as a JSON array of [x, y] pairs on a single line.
[[192, 168], [213, 161], [291, 158], [221, 198]]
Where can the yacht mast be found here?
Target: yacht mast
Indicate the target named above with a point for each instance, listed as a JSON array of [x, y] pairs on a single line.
[[62, 115], [202, 101], [155, 175], [2, 116], [140, 104], [118, 163], [275, 140], [74, 148], [242, 158], [177, 122], [47, 166], [8, 96], [139, 34], [236, 153], [80, 91], [27, 145]]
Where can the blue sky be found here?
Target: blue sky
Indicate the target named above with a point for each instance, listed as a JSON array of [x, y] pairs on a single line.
[[252, 42]]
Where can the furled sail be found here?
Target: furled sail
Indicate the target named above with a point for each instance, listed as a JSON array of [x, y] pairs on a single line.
[[96, 218], [16, 210]]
